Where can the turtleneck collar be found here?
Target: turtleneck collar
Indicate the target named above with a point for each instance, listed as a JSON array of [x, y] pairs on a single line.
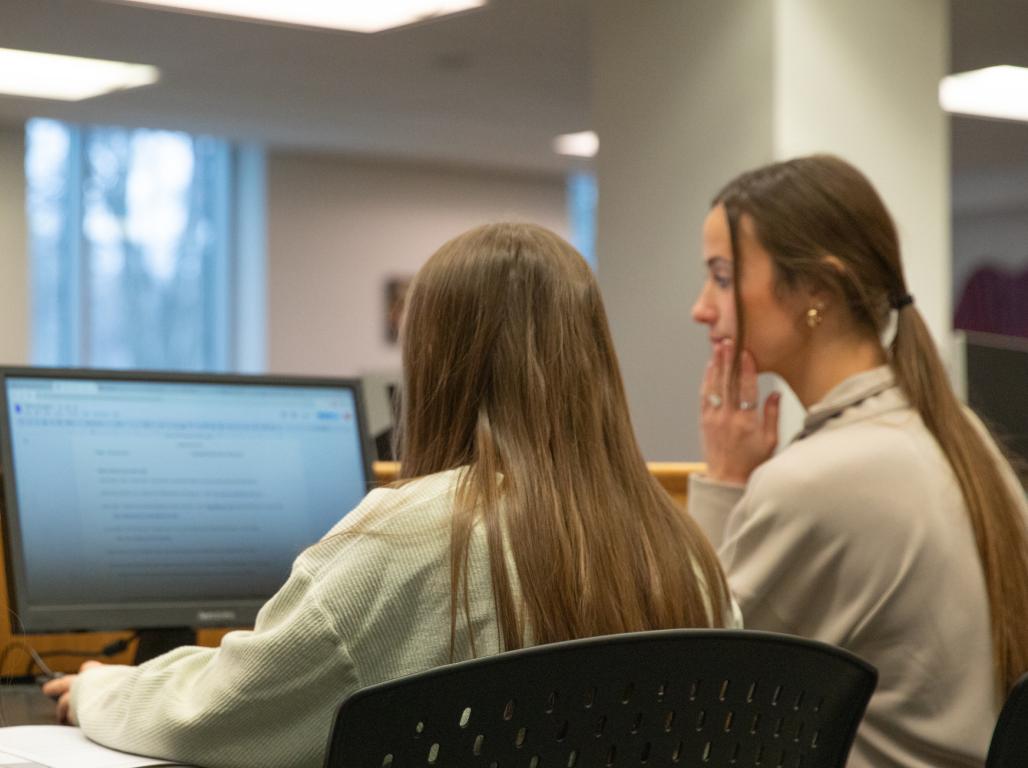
[[846, 394]]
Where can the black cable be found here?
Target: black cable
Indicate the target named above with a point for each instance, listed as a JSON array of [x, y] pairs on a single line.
[[110, 649], [118, 645], [44, 654], [15, 644], [36, 658]]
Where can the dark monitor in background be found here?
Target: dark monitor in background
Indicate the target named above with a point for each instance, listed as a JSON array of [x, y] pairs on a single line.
[[139, 501], [382, 396], [993, 370]]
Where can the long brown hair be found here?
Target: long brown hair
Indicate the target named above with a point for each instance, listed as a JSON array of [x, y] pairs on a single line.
[[510, 371], [812, 207]]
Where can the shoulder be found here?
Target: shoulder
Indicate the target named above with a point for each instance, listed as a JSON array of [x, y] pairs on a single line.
[[397, 506], [387, 549], [878, 438], [409, 516], [855, 475]]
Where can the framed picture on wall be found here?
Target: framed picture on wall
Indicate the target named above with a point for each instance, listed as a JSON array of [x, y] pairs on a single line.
[[395, 294]]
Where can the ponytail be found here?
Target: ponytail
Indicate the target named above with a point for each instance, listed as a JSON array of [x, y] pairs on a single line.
[[996, 517]]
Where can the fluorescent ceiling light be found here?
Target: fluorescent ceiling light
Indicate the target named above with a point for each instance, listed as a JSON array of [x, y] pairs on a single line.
[[1000, 92], [351, 15], [68, 78], [584, 144]]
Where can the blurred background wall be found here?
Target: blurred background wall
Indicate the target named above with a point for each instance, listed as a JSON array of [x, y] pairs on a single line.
[[375, 149]]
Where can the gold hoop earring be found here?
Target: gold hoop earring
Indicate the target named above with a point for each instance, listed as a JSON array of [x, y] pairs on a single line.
[[814, 317]]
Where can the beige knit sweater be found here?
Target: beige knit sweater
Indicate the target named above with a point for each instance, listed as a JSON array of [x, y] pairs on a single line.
[[857, 534]]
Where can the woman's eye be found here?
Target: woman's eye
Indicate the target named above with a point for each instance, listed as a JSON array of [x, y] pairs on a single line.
[[722, 281]]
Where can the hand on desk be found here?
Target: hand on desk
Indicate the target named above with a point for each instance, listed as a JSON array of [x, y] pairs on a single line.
[[60, 688]]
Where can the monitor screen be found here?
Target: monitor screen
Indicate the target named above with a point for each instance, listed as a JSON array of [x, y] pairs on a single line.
[[996, 380], [160, 500]]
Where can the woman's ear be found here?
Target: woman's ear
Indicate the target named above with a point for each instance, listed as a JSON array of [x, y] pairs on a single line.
[[815, 308], [833, 261], [815, 302], [820, 296], [824, 298]]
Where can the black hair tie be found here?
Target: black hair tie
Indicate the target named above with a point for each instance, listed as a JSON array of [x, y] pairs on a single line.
[[901, 301]]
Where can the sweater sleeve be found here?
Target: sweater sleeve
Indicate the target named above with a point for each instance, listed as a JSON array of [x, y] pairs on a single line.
[[764, 544], [710, 503], [772, 568], [264, 698], [805, 556]]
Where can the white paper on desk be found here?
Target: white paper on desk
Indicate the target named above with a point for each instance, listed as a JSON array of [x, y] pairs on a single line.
[[61, 746], [13, 761]]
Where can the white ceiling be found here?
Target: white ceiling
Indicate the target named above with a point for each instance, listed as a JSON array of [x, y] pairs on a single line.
[[984, 33], [490, 87]]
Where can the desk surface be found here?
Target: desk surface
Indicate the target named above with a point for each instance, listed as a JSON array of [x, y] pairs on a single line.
[[25, 704]]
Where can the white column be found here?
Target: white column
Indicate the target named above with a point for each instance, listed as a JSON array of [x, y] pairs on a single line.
[[860, 79], [687, 94]]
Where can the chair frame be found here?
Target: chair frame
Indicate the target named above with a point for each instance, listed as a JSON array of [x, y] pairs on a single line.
[[1009, 745], [668, 697]]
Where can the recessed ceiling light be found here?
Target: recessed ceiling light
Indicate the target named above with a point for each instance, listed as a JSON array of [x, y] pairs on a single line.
[[350, 15], [1000, 92], [67, 78], [584, 144]]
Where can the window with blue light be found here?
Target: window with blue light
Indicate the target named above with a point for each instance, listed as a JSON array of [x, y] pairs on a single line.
[[582, 197], [136, 248]]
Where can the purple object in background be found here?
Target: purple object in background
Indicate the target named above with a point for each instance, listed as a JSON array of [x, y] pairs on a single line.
[[994, 301]]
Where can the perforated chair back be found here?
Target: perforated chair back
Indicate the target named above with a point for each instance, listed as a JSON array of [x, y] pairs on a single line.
[[1009, 747], [676, 697]]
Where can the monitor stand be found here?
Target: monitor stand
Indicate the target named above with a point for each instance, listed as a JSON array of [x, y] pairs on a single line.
[[154, 642]]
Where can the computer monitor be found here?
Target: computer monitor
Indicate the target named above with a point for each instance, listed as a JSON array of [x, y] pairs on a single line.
[[992, 376], [142, 500]]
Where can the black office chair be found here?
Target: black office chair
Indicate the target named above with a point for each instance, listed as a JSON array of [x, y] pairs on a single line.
[[689, 697], [1009, 747]]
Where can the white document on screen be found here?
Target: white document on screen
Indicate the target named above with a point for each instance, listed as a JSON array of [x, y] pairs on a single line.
[[61, 746]]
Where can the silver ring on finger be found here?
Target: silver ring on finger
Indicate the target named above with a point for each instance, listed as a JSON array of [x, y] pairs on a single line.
[[747, 405], [714, 400]]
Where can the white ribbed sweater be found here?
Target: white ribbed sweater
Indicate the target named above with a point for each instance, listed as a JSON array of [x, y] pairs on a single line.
[[356, 610]]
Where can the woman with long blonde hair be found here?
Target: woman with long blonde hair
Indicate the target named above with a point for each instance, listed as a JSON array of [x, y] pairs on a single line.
[[891, 525], [525, 515]]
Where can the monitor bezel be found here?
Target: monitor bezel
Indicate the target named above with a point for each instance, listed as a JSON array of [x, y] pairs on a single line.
[[26, 619]]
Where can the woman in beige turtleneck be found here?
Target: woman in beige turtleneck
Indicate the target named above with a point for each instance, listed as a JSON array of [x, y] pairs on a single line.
[[891, 525]]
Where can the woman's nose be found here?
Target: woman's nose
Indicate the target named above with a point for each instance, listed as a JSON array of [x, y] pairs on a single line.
[[703, 311]]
